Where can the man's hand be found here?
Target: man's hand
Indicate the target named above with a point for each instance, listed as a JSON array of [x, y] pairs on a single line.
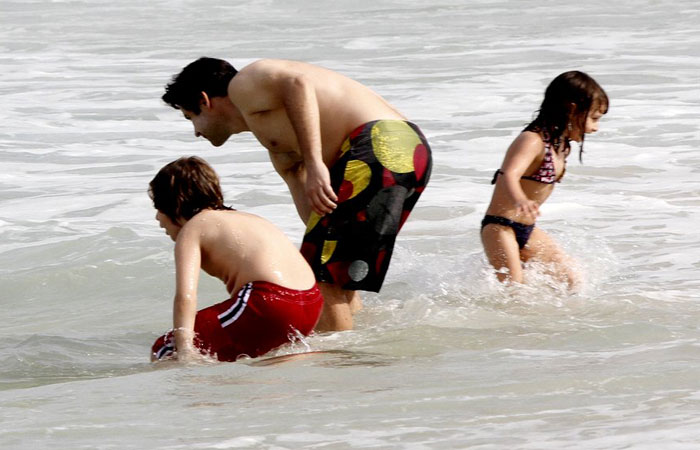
[[318, 189]]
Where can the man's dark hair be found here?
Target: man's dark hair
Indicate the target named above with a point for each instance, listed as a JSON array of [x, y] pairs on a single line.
[[210, 75], [186, 187]]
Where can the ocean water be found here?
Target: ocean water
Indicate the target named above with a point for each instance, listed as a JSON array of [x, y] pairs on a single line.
[[445, 356]]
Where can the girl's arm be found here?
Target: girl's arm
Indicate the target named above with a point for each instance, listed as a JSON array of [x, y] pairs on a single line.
[[188, 261], [520, 155]]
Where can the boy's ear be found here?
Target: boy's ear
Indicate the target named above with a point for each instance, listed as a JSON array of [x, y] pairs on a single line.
[[204, 100]]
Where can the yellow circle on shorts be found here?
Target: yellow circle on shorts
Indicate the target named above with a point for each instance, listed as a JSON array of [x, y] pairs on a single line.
[[358, 173], [394, 143], [328, 249], [313, 221]]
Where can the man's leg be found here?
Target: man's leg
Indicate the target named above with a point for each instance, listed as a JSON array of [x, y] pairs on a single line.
[[355, 302], [338, 307]]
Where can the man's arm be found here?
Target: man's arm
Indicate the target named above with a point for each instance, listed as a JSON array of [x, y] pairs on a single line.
[[301, 104], [295, 177], [188, 262], [271, 84]]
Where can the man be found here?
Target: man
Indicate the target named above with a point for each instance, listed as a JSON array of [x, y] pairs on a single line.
[[354, 166], [273, 292]]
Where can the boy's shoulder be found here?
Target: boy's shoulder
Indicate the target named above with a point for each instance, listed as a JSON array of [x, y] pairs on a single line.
[[228, 218], [213, 229], [210, 217], [206, 224]]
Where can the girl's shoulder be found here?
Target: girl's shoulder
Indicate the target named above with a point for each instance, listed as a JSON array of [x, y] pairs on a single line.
[[530, 138], [528, 142]]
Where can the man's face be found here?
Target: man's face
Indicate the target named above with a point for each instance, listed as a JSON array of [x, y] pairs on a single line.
[[209, 124]]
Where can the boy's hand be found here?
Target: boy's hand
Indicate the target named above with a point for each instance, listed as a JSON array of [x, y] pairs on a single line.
[[189, 355], [185, 351]]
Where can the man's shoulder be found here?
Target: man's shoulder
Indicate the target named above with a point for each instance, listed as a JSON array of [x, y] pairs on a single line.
[[265, 65], [246, 86], [270, 66]]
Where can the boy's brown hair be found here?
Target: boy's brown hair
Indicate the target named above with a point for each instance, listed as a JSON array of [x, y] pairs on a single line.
[[185, 187]]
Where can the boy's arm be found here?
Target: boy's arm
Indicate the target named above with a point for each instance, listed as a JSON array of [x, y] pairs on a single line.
[[188, 262]]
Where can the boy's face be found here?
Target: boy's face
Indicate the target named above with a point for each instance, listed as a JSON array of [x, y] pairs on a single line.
[[172, 229]]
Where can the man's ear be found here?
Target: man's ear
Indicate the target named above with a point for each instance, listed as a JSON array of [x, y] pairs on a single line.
[[204, 100]]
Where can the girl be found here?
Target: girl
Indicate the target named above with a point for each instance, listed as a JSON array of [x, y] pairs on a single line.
[[572, 106]]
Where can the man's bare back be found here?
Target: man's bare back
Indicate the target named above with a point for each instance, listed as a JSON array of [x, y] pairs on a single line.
[[258, 91]]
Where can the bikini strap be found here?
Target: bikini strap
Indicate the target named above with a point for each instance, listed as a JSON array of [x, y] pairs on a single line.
[[495, 176]]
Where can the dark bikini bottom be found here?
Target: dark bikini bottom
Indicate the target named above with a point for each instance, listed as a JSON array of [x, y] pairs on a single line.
[[522, 231]]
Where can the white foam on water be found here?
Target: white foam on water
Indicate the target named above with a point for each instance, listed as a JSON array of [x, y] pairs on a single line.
[[445, 356]]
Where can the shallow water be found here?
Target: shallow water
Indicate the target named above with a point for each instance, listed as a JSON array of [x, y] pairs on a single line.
[[444, 357]]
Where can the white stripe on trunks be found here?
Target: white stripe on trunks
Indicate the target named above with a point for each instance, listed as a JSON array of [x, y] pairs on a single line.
[[234, 312]]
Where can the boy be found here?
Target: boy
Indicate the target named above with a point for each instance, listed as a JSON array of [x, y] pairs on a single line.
[[273, 290]]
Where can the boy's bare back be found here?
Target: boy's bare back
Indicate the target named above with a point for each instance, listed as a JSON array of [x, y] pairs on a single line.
[[237, 248]]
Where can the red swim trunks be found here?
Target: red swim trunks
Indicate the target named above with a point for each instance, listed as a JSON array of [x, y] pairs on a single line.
[[259, 318]]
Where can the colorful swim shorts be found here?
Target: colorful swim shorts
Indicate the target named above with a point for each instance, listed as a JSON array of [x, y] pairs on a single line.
[[382, 171], [261, 317]]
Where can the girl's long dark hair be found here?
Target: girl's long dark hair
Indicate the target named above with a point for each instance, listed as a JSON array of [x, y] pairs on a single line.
[[567, 101]]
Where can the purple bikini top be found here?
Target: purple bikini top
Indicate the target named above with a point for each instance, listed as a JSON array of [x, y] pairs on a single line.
[[545, 174]]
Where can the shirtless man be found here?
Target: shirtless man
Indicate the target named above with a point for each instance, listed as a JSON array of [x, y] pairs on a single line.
[[273, 293], [354, 166]]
